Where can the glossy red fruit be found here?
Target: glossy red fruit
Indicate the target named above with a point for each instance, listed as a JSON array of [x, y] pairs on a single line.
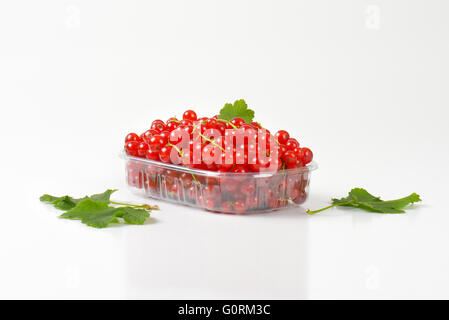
[[172, 124], [292, 143], [289, 157], [148, 134], [226, 166], [157, 142], [164, 154], [221, 126], [152, 154], [307, 155], [299, 154], [186, 128], [282, 150], [240, 168], [256, 125], [175, 136], [211, 123], [282, 136], [189, 115], [142, 149], [132, 137], [158, 125], [237, 122], [186, 122], [253, 165], [132, 147], [165, 135]]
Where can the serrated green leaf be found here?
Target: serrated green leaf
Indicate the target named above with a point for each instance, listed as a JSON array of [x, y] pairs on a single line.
[[362, 199], [237, 110], [133, 215], [95, 210], [47, 198], [93, 213], [67, 202], [103, 197], [390, 206], [99, 215]]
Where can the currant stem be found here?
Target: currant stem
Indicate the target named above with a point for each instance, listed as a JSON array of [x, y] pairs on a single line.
[[211, 141], [328, 207], [143, 206], [175, 147], [227, 121]]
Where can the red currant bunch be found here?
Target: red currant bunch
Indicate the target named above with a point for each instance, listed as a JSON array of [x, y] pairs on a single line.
[[225, 146]]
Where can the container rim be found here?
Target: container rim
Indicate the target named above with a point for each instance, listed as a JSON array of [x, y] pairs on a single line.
[[308, 168]]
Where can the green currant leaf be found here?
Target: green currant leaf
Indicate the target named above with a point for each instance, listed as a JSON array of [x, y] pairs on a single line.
[[133, 215], [103, 197], [391, 206], [362, 199], [96, 212], [67, 202], [99, 215], [237, 110], [93, 213]]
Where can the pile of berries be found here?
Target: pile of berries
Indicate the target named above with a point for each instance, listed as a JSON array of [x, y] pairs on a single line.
[[257, 151], [254, 154]]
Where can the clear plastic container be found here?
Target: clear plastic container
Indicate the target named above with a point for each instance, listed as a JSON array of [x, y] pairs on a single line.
[[233, 193]]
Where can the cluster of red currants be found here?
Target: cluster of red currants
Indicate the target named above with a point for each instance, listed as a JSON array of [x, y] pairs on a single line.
[[224, 193], [259, 150]]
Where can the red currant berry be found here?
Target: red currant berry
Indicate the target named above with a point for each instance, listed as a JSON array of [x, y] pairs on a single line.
[[289, 157], [211, 123], [307, 155], [142, 149], [282, 150], [237, 122], [292, 143], [189, 115], [282, 136], [131, 148], [172, 124], [165, 135], [132, 137], [220, 126], [299, 154], [158, 125], [152, 154], [239, 168], [165, 153], [186, 122], [148, 134], [256, 125], [274, 164], [156, 142]]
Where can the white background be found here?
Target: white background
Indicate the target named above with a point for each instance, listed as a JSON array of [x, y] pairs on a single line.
[[363, 83]]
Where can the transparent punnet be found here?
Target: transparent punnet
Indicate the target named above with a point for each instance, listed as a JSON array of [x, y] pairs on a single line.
[[234, 193]]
